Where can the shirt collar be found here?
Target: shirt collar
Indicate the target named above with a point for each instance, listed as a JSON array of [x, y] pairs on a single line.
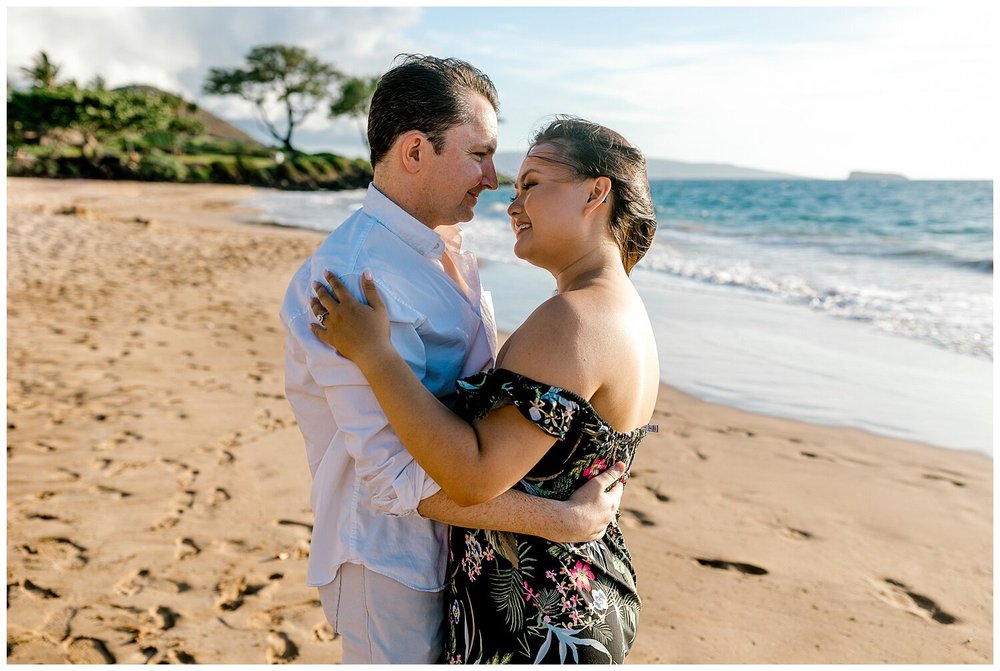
[[407, 228]]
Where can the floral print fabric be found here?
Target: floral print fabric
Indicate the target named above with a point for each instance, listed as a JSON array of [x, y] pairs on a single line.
[[521, 599]]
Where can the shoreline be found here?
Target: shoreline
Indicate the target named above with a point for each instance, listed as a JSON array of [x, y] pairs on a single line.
[[764, 356], [158, 505]]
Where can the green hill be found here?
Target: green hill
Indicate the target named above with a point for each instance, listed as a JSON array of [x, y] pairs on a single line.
[[214, 126]]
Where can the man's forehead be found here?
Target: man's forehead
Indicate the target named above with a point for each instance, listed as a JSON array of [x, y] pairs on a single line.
[[477, 133]]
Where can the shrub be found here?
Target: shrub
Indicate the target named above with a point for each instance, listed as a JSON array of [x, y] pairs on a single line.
[[158, 166], [225, 172]]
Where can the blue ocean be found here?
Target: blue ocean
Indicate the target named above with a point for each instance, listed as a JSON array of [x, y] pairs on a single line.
[[914, 259]]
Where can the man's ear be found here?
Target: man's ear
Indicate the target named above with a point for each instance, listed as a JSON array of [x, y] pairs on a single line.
[[598, 195], [412, 148]]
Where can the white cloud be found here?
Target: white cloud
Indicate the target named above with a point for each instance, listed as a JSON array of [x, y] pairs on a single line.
[[908, 93], [905, 89], [173, 48]]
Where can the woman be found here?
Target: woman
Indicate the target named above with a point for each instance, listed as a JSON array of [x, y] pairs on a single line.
[[568, 397]]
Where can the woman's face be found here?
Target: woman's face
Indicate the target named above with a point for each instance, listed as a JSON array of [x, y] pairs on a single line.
[[547, 211]]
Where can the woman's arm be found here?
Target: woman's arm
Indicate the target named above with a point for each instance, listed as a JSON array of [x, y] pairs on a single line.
[[472, 463], [584, 517]]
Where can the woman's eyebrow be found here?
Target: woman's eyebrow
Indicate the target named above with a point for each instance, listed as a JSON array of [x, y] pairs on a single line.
[[520, 180]]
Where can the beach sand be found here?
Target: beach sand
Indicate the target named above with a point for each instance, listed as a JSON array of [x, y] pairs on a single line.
[[157, 490]]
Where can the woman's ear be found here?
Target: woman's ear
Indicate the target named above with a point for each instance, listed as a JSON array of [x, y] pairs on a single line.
[[599, 193], [411, 149]]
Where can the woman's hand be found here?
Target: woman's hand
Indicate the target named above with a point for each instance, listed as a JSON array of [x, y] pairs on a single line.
[[359, 332], [592, 507]]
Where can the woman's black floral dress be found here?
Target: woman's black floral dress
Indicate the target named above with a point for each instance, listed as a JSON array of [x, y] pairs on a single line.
[[521, 599]]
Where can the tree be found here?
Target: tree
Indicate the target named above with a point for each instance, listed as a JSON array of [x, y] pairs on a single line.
[[42, 72], [355, 102], [277, 75]]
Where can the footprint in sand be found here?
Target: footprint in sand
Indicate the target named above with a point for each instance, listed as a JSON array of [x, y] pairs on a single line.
[[101, 463], [160, 618], [748, 569], [38, 591], [268, 422], [186, 548], [934, 476], [186, 474], [218, 497], [56, 627], [814, 455], [295, 523], [138, 580], [324, 632], [280, 648], [231, 591], [60, 552], [111, 492], [898, 594], [635, 516], [660, 496], [178, 656], [68, 475], [732, 430], [133, 583], [85, 650], [797, 534], [166, 523], [184, 499]]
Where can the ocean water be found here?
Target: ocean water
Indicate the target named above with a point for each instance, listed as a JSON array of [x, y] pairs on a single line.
[[866, 304], [913, 259]]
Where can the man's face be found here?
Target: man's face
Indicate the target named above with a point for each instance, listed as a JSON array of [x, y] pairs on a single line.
[[463, 169]]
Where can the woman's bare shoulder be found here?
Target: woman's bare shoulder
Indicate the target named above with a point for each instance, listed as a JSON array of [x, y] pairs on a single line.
[[549, 347]]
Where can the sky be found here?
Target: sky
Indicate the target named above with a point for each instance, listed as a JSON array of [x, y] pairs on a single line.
[[816, 92]]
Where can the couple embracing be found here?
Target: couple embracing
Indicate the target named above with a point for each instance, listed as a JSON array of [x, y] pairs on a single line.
[[465, 499]]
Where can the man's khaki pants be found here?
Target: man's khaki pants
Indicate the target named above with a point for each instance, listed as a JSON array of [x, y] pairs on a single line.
[[381, 621]]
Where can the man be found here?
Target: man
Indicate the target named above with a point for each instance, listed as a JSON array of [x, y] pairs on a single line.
[[379, 543]]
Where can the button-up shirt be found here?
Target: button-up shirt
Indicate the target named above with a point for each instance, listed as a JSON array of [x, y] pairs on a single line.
[[366, 487]]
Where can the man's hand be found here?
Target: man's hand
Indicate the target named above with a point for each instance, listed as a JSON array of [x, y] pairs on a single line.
[[593, 506]]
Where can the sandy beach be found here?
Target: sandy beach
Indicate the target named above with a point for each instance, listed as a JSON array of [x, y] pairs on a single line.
[[157, 490]]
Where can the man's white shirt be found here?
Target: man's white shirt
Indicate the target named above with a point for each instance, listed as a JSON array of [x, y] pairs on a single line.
[[366, 487]]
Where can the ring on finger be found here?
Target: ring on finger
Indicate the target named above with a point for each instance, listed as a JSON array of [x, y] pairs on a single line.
[[321, 317]]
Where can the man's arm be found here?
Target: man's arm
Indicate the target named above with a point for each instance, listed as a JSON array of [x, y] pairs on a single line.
[[583, 517], [394, 482]]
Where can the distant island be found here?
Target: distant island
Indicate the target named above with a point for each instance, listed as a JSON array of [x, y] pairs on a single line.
[[876, 176], [508, 163]]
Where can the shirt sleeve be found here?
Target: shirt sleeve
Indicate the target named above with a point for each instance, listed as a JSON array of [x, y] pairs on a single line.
[[394, 481]]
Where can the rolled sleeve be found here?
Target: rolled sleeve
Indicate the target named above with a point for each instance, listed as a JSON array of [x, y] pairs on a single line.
[[394, 482]]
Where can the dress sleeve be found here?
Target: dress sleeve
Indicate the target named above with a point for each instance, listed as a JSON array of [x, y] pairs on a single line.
[[552, 409]]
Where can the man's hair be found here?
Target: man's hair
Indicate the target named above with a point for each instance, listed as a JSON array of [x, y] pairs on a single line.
[[590, 150], [426, 94]]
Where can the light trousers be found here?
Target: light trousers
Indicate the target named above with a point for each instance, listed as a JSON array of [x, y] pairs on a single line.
[[381, 621]]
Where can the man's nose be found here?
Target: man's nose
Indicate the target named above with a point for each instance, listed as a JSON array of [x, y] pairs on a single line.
[[490, 174]]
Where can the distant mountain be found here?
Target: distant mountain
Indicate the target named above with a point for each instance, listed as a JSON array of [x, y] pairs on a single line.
[[877, 176], [214, 126], [508, 163]]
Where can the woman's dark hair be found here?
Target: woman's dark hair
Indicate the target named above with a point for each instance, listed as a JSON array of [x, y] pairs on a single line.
[[590, 150], [427, 94]]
